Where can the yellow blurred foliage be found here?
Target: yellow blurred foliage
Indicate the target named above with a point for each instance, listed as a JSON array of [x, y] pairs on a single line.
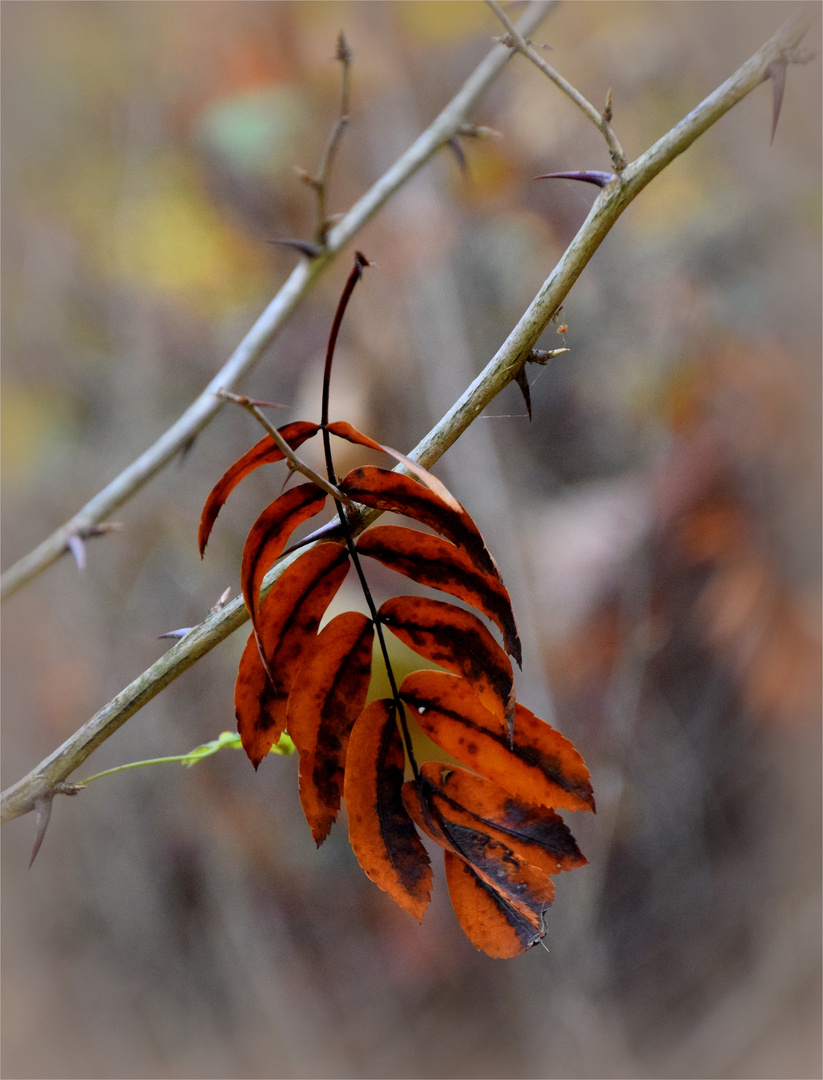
[[173, 241], [27, 417], [444, 21], [671, 201]]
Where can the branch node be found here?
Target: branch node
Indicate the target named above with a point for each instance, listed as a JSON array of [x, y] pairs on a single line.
[[344, 53], [306, 177], [542, 356], [479, 131]]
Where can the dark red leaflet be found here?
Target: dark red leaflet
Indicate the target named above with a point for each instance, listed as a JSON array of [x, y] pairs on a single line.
[[535, 833], [522, 884], [259, 709], [540, 766], [440, 564], [456, 640], [386, 490], [488, 921], [381, 832], [269, 535], [344, 430], [263, 453], [288, 621], [328, 694]]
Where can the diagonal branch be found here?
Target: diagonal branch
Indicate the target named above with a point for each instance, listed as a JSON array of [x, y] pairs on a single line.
[[269, 324], [49, 776]]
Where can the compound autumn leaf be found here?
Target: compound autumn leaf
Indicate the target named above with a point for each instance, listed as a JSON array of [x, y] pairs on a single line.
[[496, 818]]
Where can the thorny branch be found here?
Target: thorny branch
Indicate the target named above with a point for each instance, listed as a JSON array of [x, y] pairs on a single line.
[[203, 410], [50, 775]]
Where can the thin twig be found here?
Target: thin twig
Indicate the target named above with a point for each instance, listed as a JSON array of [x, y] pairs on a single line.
[[203, 410], [294, 461], [48, 777], [515, 39], [322, 177]]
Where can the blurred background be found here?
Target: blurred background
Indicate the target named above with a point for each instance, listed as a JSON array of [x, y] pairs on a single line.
[[657, 524]]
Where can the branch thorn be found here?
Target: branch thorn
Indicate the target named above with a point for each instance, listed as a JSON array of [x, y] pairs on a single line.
[[305, 247], [454, 145], [522, 380], [608, 112], [542, 356], [75, 541], [590, 176]]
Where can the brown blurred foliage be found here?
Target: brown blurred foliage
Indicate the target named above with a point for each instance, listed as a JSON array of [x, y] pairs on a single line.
[[657, 525]]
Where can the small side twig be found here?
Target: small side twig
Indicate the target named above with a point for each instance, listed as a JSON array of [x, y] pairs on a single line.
[[319, 181], [601, 120], [294, 462]]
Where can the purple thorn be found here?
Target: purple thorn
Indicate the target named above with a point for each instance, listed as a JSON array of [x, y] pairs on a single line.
[[522, 380], [591, 176], [311, 251], [455, 147], [42, 816], [777, 73], [74, 543]]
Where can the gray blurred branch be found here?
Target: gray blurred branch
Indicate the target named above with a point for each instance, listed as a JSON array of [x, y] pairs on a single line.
[[48, 778], [251, 348]]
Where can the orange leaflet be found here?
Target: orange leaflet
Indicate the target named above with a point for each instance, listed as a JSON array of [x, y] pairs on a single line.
[[488, 921], [288, 620], [522, 885], [394, 491], [534, 833], [262, 453], [381, 832], [269, 535], [344, 430], [431, 560], [261, 714], [540, 766], [328, 694], [456, 640]]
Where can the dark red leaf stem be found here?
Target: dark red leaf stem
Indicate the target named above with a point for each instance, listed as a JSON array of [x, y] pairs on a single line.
[[360, 261]]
